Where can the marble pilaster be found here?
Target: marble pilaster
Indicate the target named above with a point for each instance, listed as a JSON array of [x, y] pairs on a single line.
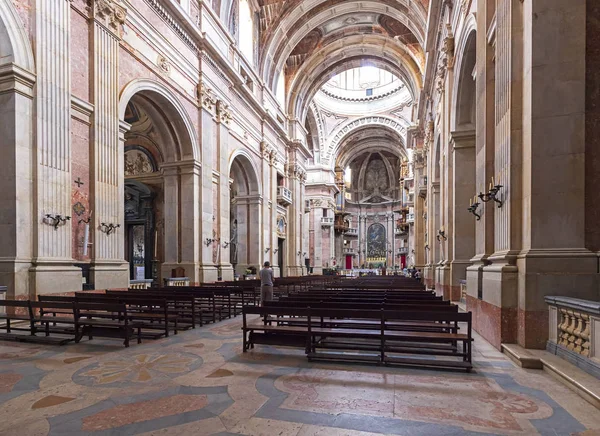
[[53, 269]]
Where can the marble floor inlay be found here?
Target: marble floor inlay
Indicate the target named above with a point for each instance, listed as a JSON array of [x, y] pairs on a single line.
[[199, 383]]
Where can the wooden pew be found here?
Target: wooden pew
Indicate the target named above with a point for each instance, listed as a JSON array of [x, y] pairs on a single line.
[[390, 343]]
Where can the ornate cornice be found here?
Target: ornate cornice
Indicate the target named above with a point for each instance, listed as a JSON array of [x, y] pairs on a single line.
[[162, 12], [109, 13]]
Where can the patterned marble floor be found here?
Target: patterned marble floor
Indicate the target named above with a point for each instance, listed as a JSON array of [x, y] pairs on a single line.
[[199, 383]]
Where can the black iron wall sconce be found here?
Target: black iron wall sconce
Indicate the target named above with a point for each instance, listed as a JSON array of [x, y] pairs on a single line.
[[109, 228], [275, 251], [226, 244], [492, 194], [57, 220], [209, 241], [426, 247], [473, 209], [441, 236], [267, 249]]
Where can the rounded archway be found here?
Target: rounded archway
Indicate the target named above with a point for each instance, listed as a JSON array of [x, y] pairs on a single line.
[[244, 238], [160, 147], [17, 192]]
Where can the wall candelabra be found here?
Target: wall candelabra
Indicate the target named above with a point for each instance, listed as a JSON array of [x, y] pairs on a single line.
[[57, 220], [108, 228], [492, 194]]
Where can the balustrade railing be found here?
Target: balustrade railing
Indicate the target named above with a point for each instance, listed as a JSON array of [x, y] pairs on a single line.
[[574, 329]]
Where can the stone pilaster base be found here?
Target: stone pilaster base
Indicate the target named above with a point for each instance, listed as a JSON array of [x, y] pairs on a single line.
[[495, 324], [14, 274], [458, 272], [429, 276], [570, 273], [109, 274], [294, 271], [207, 273], [226, 272], [52, 277], [317, 270], [442, 282]]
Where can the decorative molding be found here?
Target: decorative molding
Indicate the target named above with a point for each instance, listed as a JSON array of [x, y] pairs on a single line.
[[223, 112], [163, 65], [162, 12], [206, 97], [109, 13], [81, 110]]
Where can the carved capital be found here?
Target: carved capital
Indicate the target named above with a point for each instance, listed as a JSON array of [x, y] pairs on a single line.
[[206, 96], [109, 13], [223, 112]]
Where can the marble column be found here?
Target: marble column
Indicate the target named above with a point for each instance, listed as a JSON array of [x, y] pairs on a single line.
[[172, 229], [223, 120], [317, 214], [498, 305], [553, 260], [484, 315], [190, 175], [53, 269], [109, 269], [208, 270], [272, 228], [294, 239], [267, 204], [463, 230], [17, 200]]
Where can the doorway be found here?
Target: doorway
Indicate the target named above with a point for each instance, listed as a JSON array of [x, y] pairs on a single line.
[[280, 256], [140, 237], [348, 261]]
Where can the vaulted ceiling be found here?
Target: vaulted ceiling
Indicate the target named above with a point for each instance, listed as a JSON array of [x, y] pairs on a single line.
[[312, 40]]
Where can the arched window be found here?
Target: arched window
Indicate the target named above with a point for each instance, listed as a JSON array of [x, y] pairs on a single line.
[[280, 92], [246, 31]]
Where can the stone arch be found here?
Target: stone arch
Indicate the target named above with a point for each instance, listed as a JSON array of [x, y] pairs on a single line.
[[174, 112], [242, 158], [244, 213], [14, 42], [350, 127], [17, 68], [463, 107]]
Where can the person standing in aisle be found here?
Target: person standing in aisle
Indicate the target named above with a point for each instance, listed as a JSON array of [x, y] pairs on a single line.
[[266, 283]]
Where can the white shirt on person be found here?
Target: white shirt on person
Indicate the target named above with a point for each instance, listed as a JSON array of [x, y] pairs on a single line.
[[266, 277]]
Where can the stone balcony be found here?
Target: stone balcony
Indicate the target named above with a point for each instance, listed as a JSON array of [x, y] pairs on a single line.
[[400, 231], [326, 222], [402, 250], [410, 218], [574, 332], [284, 196], [352, 231], [350, 250]]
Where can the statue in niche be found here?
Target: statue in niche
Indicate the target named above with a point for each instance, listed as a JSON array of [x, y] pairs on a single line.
[[233, 244]]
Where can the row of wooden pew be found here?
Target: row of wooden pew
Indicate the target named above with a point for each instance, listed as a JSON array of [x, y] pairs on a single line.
[[397, 324], [141, 313]]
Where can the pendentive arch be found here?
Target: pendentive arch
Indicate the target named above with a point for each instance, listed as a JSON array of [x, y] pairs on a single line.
[[309, 14], [372, 121], [320, 67]]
